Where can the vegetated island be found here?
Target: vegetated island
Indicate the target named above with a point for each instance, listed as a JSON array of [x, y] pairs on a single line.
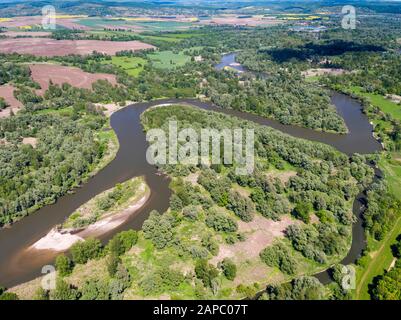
[[99, 215]]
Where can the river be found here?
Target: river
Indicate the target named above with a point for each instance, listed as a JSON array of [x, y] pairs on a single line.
[[19, 263]]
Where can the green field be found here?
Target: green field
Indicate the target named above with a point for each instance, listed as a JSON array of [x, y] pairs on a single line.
[[163, 25], [380, 256], [392, 171], [379, 101], [168, 59], [378, 260], [131, 65]]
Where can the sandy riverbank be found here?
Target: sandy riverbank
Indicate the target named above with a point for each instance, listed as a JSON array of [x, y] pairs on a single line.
[[62, 240]]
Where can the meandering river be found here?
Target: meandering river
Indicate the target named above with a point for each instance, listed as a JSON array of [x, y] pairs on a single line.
[[19, 263]]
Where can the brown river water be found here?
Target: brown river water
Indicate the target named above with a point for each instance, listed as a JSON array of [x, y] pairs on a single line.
[[19, 263]]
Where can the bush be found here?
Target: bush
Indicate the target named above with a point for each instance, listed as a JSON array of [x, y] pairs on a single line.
[[302, 211], [95, 289], [190, 212], [64, 291], [41, 294], [175, 203], [241, 206], [64, 265], [122, 242], [115, 246], [205, 272], [83, 251], [121, 282], [303, 288], [112, 263], [279, 256], [248, 291], [128, 238], [158, 229], [229, 269], [221, 222], [9, 296]]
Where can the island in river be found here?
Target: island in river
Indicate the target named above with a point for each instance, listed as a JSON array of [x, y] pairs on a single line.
[[100, 215]]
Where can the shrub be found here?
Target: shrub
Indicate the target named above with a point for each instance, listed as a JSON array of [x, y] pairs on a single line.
[[221, 222], [229, 269], [9, 296], [95, 289], [158, 229], [279, 256], [64, 291], [64, 265], [205, 272], [128, 238], [302, 210], [190, 212], [112, 264], [83, 251]]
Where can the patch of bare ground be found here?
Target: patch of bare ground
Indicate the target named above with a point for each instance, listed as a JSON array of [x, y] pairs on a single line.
[[284, 176], [47, 47], [30, 140], [314, 218], [7, 93], [192, 178], [392, 264], [394, 98], [109, 108], [43, 73], [322, 71], [27, 290], [260, 233]]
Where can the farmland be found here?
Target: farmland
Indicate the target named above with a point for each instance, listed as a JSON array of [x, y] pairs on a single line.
[[43, 73], [51, 47]]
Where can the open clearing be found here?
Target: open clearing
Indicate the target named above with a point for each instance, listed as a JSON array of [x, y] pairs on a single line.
[[43, 73], [322, 71], [168, 59], [260, 233], [131, 65], [52, 47], [384, 104], [7, 92]]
